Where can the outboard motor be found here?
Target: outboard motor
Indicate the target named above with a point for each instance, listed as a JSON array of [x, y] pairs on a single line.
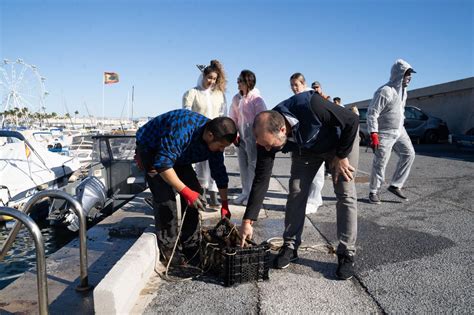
[[91, 193]]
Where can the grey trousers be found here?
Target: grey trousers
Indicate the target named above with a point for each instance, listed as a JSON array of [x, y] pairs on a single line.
[[247, 156], [304, 167], [402, 146]]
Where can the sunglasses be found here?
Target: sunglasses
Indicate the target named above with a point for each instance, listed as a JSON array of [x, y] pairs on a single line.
[[240, 81]]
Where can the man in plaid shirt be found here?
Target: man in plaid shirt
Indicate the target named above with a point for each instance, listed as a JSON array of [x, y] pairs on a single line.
[[166, 148]]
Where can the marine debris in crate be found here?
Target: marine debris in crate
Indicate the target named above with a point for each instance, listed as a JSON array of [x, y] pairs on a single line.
[[223, 256]]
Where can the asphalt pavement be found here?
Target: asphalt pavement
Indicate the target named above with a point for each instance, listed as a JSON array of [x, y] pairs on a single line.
[[412, 256]]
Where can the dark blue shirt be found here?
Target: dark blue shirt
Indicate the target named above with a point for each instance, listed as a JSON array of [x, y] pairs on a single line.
[[176, 139], [316, 132]]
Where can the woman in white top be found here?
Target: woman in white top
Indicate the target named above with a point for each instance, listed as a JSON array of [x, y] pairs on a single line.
[[208, 99], [298, 85]]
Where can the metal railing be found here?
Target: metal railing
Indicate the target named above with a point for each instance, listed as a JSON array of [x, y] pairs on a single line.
[[77, 208], [40, 258]]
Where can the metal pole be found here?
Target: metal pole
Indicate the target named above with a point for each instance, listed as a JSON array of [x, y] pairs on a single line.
[[77, 208], [103, 102], [133, 93], [41, 279]]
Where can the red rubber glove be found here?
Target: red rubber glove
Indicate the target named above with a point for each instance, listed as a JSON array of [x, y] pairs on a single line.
[[374, 140], [138, 161], [225, 212], [192, 198]]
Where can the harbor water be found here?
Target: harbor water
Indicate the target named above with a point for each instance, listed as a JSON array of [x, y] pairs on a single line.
[[22, 255]]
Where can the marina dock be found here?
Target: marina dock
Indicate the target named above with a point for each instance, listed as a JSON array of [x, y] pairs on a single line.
[[412, 257]]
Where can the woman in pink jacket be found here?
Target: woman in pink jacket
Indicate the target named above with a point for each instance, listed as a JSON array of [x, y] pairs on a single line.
[[245, 106]]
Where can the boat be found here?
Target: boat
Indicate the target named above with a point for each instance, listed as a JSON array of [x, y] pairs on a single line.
[[52, 139], [27, 167], [82, 148]]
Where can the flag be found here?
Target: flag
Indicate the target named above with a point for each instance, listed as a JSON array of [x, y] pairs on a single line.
[[110, 77], [27, 151]]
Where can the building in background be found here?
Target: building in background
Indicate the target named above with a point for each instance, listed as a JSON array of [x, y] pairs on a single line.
[[452, 101]]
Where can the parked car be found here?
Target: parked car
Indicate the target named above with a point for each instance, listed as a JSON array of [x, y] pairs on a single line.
[[419, 126], [463, 140]]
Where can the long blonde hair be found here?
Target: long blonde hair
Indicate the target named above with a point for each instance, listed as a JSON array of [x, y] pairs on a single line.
[[216, 66]]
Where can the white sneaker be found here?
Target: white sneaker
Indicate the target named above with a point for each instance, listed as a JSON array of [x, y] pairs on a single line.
[[240, 199], [311, 208]]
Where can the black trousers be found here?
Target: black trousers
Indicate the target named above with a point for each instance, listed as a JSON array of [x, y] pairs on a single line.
[[165, 210]]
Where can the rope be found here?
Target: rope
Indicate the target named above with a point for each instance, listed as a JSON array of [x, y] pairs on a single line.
[[164, 275], [277, 242]]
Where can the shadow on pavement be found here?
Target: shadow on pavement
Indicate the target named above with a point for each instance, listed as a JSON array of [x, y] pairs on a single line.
[[379, 245]]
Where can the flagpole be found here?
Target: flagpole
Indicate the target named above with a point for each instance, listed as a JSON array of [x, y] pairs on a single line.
[[103, 102], [133, 92]]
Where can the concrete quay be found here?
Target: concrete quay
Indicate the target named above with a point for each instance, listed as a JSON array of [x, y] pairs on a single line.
[[413, 257]]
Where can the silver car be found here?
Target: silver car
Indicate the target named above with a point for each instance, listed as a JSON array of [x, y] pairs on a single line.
[[419, 125]]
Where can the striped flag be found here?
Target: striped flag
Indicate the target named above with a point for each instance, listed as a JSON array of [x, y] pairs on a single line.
[[110, 77]]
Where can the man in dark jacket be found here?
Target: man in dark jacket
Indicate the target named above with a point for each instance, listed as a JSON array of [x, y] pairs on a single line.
[[314, 130], [166, 148]]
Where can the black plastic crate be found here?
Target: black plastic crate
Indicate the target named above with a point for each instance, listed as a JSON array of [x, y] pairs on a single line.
[[238, 265]]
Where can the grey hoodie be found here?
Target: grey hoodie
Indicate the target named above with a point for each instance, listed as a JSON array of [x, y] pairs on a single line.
[[385, 113]]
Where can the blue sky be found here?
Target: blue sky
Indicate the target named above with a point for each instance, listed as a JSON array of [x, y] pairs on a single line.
[[349, 46]]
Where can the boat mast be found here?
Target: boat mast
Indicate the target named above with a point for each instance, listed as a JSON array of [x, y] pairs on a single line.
[[133, 93]]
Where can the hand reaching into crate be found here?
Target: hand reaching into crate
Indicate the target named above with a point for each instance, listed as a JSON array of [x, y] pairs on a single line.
[[246, 231], [226, 234]]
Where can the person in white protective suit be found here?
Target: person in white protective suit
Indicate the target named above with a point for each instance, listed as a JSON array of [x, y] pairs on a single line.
[[208, 99], [245, 106], [315, 199], [385, 118]]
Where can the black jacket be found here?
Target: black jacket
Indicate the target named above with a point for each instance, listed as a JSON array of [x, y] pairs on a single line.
[[323, 127]]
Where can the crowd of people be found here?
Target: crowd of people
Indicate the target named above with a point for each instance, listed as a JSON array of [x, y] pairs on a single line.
[[182, 151]]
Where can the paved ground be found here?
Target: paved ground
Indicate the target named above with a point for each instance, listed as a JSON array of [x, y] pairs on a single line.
[[413, 257], [107, 242]]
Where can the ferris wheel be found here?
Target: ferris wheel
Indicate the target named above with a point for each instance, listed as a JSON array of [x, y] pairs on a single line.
[[21, 85]]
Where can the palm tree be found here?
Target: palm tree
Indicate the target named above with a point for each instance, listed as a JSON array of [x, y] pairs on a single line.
[[25, 113], [15, 113], [4, 115], [54, 115], [75, 114]]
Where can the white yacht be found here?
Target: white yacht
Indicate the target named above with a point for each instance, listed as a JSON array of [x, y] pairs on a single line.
[[27, 167]]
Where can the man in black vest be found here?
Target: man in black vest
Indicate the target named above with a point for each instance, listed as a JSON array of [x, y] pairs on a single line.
[[314, 130]]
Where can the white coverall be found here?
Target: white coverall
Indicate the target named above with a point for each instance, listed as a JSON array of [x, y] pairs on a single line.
[[385, 115]]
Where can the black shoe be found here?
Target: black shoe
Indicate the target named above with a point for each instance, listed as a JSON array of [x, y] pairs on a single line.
[[285, 256], [374, 198], [397, 192], [345, 268]]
